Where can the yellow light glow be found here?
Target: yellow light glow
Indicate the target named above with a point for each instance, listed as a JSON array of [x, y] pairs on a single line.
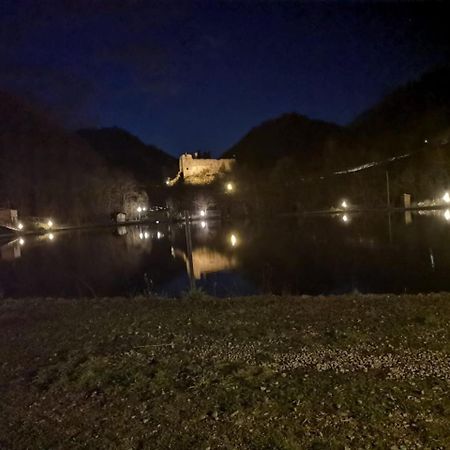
[[345, 218], [446, 197], [139, 209], [230, 187], [141, 235], [233, 240], [447, 215], [159, 235], [203, 213], [203, 224], [20, 226], [50, 223], [22, 241], [344, 204], [51, 236], [146, 235]]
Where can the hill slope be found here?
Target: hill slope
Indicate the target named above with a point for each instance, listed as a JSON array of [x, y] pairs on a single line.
[[409, 116], [48, 171], [121, 149], [290, 135]]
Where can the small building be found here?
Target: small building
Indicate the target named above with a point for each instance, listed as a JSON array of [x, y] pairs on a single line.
[[121, 217], [9, 217]]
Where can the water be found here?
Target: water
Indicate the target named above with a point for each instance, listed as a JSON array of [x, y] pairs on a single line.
[[316, 255]]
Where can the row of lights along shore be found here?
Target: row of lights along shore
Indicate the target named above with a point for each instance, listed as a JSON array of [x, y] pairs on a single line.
[[21, 226], [445, 198], [50, 236]]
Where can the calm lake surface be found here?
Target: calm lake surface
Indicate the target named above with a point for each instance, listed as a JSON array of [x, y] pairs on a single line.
[[309, 255]]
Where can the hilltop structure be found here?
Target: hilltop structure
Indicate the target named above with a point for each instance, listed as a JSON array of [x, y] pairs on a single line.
[[195, 170]]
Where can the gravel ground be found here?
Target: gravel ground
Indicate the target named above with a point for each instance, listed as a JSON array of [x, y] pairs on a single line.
[[252, 373]]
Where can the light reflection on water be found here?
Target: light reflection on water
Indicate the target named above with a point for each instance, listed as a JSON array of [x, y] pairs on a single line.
[[407, 252]]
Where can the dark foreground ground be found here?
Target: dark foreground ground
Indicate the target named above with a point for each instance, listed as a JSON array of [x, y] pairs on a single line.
[[255, 373]]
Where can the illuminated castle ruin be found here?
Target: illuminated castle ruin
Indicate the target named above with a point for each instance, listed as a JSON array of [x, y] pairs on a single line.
[[200, 171]]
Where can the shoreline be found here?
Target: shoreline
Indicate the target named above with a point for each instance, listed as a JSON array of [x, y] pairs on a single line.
[[327, 212]]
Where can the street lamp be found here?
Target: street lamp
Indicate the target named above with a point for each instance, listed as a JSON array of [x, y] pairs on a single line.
[[229, 187]]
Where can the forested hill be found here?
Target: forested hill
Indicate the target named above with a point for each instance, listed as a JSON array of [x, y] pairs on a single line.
[[290, 135], [121, 149], [411, 115], [400, 123], [48, 171]]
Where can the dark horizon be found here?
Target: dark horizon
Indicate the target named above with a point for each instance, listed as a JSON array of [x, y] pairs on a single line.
[[198, 76]]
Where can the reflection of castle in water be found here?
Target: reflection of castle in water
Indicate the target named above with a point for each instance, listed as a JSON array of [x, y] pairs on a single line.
[[206, 261]]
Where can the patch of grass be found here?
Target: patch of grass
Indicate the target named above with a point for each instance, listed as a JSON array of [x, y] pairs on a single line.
[[254, 373], [195, 294]]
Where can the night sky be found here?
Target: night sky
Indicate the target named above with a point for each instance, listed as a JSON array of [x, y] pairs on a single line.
[[198, 75]]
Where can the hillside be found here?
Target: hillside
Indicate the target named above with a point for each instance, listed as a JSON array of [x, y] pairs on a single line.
[[48, 171], [297, 158], [400, 123], [409, 116], [290, 135], [121, 149]]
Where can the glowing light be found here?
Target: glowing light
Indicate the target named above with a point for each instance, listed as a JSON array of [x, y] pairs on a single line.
[[425, 141], [146, 235], [50, 223], [168, 181], [344, 204], [203, 213], [446, 197], [20, 226], [345, 218], [22, 241], [230, 187], [203, 224], [233, 240], [157, 222], [159, 235], [447, 215], [144, 208], [139, 209], [51, 236], [141, 235]]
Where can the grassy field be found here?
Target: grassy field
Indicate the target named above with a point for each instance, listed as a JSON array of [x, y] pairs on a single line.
[[251, 373]]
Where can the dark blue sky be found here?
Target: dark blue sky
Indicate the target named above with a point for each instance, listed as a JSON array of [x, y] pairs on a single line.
[[199, 75]]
